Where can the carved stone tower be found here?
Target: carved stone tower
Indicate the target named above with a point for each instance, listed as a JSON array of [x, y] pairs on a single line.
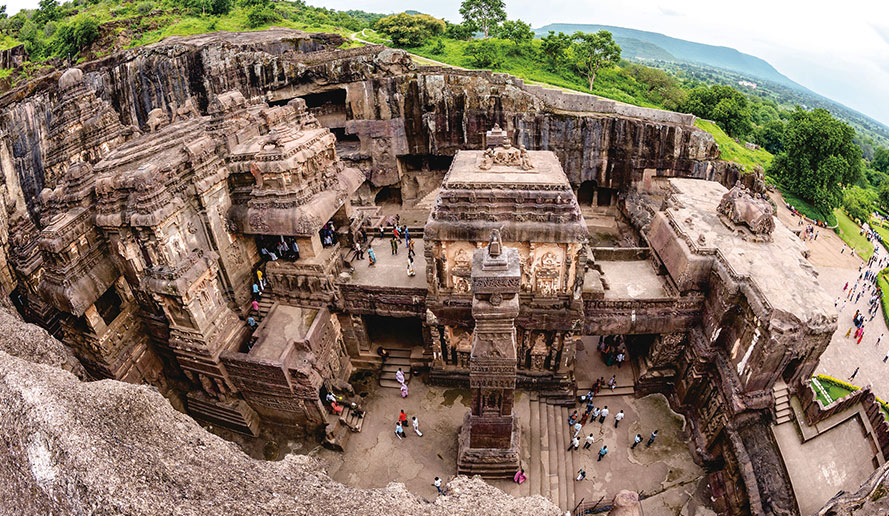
[[490, 438]]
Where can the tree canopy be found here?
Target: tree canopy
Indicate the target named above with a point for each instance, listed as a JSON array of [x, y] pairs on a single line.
[[554, 49], [483, 15], [881, 159], [594, 51], [485, 53], [516, 31], [724, 105], [818, 159], [410, 30]]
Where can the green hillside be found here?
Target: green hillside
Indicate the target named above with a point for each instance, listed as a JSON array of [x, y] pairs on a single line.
[[632, 48], [720, 57]]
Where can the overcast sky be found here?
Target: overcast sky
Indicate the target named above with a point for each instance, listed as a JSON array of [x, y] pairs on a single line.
[[839, 49]]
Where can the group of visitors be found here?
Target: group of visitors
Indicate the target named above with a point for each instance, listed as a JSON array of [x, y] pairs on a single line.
[[274, 248], [865, 285], [327, 234], [613, 349], [399, 376], [809, 232], [401, 425]]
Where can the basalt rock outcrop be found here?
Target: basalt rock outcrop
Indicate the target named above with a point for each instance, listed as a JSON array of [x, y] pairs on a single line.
[[107, 447]]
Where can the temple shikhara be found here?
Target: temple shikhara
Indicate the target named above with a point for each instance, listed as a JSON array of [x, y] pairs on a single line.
[[234, 247]]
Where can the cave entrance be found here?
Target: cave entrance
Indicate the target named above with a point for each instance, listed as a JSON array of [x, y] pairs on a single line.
[[605, 196], [329, 107], [393, 332], [389, 198], [108, 305], [586, 193]]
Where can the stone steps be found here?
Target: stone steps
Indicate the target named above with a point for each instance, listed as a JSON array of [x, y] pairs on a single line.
[[553, 470], [398, 358], [566, 487], [552, 467], [525, 402], [783, 410], [543, 423], [350, 418]]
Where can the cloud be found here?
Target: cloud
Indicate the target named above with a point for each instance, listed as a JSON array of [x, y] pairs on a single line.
[[666, 11], [881, 31]]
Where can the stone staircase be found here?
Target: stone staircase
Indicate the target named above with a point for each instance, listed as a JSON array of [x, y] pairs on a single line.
[[783, 410], [552, 468], [350, 418], [265, 306], [398, 358], [619, 390]]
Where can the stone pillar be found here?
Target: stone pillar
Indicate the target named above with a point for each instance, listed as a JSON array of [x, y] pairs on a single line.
[[489, 440], [666, 349]]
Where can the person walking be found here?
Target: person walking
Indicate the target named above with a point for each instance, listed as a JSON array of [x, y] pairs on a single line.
[[581, 474], [394, 245], [255, 305], [602, 452], [620, 359], [399, 376], [410, 267], [402, 418], [853, 374], [251, 322], [618, 417], [596, 412], [519, 477], [255, 291], [651, 439], [636, 441], [575, 444], [612, 382], [259, 279], [403, 390], [603, 414], [399, 430], [589, 442], [437, 484], [416, 424], [371, 257], [877, 343], [577, 428]]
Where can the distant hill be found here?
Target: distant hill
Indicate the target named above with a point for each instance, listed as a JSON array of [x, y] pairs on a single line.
[[632, 48], [722, 65], [688, 51]]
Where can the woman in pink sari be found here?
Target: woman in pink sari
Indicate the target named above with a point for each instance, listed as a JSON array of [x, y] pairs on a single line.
[[519, 476], [404, 390]]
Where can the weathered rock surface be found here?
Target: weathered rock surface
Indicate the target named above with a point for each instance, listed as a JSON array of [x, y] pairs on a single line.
[[107, 447]]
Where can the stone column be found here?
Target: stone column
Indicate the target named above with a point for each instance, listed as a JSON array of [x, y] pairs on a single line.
[[666, 349], [489, 440]]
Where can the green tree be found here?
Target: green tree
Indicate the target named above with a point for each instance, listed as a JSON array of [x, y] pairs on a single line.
[[724, 105], [260, 15], [818, 159], [858, 203], [554, 49], [884, 194], [594, 51], [3, 12], [770, 135], [483, 15], [73, 36], [410, 30], [211, 7], [516, 31], [881, 159], [48, 11], [458, 31], [484, 53]]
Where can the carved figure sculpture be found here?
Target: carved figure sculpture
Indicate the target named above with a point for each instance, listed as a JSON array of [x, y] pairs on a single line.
[[739, 206]]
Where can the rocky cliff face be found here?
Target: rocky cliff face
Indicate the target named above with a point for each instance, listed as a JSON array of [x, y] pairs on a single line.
[[107, 447]]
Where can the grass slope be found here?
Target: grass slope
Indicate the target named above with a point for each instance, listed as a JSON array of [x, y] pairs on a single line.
[[730, 150], [850, 232]]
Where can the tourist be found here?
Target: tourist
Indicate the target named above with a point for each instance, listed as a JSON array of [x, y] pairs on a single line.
[[357, 249], [404, 390], [399, 431], [853, 374], [589, 442], [402, 417], [272, 256], [259, 279], [877, 343], [572, 418], [612, 382], [618, 417], [399, 375], [383, 353], [255, 305], [583, 418], [519, 477], [602, 452], [416, 424], [575, 444], [407, 236], [885, 358], [394, 245], [577, 428], [580, 475], [251, 322], [255, 291], [636, 440], [603, 414], [620, 359], [410, 267], [651, 439], [371, 257], [595, 414], [437, 484]]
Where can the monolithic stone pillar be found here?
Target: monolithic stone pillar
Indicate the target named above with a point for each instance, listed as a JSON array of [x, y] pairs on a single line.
[[666, 349], [489, 439]]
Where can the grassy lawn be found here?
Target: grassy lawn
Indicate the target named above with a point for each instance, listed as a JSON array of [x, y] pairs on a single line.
[[834, 391], [850, 232], [732, 151], [807, 209]]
